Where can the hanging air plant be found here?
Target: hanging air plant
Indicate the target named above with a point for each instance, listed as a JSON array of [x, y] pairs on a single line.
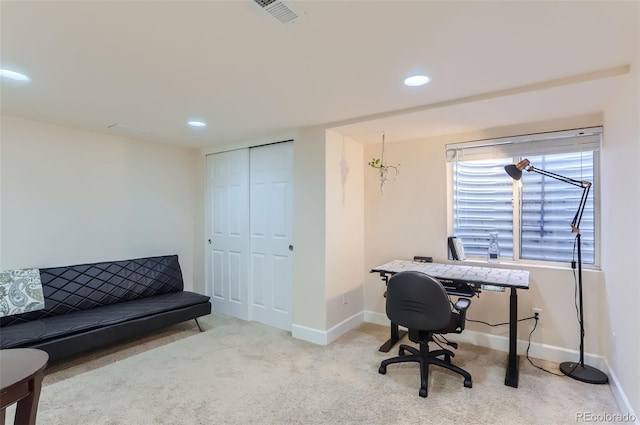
[[383, 169]]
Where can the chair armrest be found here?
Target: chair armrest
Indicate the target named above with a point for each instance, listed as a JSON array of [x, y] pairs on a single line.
[[461, 306]]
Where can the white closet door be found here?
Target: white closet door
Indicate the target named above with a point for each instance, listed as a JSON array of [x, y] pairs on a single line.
[[271, 193], [228, 232]]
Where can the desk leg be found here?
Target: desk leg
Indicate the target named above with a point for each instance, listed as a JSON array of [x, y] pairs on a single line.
[[396, 335], [511, 379]]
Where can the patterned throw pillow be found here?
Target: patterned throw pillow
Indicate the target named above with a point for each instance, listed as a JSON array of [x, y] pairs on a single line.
[[20, 291]]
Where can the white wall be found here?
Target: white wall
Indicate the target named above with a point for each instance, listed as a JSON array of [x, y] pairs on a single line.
[[199, 240], [408, 219], [621, 233], [411, 219], [309, 307], [71, 197], [344, 203]]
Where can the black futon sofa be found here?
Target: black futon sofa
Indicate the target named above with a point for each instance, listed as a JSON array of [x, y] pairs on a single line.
[[89, 306]]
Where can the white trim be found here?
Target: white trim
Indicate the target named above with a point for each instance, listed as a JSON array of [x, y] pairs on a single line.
[[501, 343], [308, 334], [343, 327], [496, 342], [231, 146], [536, 351], [377, 318], [321, 337], [620, 396], [539, 143]]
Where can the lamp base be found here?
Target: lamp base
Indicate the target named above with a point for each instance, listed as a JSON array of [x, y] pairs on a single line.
[[584, 373]]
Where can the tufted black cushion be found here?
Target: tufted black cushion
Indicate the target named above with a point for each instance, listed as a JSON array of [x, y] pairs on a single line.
[[39, 331], [90, 306], [87, 286]]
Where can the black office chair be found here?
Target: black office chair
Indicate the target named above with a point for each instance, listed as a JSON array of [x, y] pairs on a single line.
[[420, 303]]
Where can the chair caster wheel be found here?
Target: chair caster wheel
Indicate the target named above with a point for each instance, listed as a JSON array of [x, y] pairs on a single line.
[[467, 383], [382, 370], [423, 392]]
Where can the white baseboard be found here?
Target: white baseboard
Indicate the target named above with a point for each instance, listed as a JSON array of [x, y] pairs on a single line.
[[496, 342], [377, 318], [501, 343], [321, 337], [621, 398], [306, 333]]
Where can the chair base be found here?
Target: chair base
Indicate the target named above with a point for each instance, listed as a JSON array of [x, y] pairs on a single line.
[[425, 358]]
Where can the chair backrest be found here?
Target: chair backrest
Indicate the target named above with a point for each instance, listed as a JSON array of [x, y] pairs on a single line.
[[417, 301]]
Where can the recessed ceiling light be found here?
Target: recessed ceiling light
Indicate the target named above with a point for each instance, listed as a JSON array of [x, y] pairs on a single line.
[[197, 123], [417, 80], [13, 75]]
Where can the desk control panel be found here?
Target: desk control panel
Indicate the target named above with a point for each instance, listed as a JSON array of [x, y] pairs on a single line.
[[492, 288], [461, 288]]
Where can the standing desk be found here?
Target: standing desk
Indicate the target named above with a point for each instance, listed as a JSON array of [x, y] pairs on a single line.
[[453, 277]]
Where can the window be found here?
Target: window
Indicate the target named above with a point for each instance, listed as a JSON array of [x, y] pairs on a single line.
[[532, 216]]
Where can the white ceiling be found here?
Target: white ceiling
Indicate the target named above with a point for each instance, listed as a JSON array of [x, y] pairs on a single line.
[[154, 65]]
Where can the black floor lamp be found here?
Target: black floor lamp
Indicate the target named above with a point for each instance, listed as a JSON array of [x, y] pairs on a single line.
[[579, 371]]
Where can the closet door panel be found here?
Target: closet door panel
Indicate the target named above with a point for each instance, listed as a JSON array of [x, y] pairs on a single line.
[[228, 232], [271, 193]]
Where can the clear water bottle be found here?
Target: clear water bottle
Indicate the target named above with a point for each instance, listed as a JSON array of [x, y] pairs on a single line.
[[493, 252]]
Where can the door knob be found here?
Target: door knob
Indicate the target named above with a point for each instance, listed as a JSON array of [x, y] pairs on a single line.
[[290, 247], [209, 241]]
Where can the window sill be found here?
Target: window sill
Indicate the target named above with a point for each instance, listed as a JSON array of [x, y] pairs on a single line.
[[510, 264]]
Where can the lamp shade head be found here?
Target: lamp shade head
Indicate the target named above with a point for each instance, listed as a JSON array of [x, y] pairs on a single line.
[[513, 171]]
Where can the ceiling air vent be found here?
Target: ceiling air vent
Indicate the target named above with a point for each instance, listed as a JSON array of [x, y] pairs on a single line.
[[283, 12]]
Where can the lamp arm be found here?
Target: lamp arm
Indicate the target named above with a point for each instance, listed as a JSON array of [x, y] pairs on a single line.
[[579, 183], [575, 224]]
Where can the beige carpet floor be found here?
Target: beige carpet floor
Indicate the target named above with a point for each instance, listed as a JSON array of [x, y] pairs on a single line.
[[240, 372]]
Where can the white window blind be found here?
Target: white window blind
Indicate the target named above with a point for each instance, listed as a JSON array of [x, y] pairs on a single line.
[[533, 216], [483, 204]]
